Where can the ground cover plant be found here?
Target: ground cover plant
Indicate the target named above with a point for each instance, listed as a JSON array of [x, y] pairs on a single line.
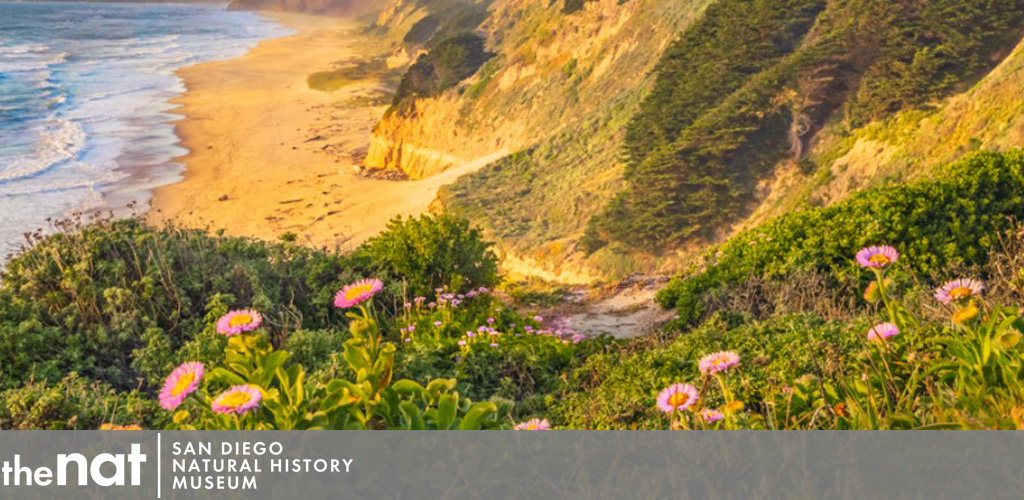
[[95, 316], [911, 321]]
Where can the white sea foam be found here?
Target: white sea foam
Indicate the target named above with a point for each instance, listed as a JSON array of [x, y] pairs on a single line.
[[84, 105], [61, 141]]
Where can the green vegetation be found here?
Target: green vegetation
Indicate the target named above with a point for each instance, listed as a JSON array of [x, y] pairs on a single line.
[[422, 30], [449, 61], [74, 403], [454, 51], [725, 95], [615, 390], [114, 300], [437, 251], [260, 390], [571, 6], [327, 81], [459, 356], [93, 318], [955, 220], [765, 294], [546, 193]]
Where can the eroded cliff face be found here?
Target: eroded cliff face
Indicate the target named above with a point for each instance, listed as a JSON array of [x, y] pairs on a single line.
[[550, 68], [987, 116]]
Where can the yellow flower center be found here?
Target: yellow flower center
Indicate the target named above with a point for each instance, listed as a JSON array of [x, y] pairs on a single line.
[[960, 292], [880, 259], [532, 427], [357, 291], [183, 382], [240, 320], [235, 399], [678, 399]]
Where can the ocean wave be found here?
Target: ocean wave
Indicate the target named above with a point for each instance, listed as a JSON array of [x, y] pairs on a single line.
[[91, 184], [58, 143], [19, 64], [109, 91], [23, 48]]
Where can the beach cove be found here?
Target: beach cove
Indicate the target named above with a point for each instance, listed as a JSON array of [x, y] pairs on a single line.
[[270, 156]]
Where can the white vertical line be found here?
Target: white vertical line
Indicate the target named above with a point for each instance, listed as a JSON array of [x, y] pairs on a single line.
[[159, 469]]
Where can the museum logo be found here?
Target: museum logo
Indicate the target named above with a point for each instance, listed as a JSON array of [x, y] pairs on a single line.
[[75, 469]]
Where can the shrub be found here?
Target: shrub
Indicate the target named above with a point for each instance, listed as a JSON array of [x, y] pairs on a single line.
[[75, 403], [491, 349], [571, 6], [87, 298], [431, 252], [449, 61], [951, 221]]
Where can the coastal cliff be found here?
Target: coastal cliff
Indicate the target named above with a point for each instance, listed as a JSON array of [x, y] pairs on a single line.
[[645, 130], [549, 69]]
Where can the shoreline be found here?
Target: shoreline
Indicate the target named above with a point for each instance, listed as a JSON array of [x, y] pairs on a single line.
[[269, 156]]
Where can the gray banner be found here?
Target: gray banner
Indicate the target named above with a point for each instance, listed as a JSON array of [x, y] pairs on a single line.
[[533, 465]]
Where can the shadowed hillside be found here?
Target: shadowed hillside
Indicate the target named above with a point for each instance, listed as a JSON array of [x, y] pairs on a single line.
[[644, 130]]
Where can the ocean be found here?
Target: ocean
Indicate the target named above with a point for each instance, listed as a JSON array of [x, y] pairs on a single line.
[[85, 122]]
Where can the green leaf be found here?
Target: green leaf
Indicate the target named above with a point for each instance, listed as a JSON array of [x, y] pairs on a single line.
[[476, 415], [408, 387], [221, 374], [411, 412], [446, 411]]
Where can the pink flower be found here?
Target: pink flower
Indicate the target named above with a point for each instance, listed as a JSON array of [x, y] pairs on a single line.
[[184, 380], [677, 397], [236, 322], [357, 293], [534, 424], [883, 331], [238, 399], [957, 290], [877, 257], [711, 416], [719, 361]]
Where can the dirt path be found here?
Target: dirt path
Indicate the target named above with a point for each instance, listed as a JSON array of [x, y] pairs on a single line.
[[623, 311]]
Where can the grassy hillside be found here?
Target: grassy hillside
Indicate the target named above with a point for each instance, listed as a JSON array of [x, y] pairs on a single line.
[[730, 102], [557, 93], [650, 129]]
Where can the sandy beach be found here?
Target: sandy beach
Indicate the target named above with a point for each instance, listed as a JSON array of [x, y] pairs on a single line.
[[268, 155]]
